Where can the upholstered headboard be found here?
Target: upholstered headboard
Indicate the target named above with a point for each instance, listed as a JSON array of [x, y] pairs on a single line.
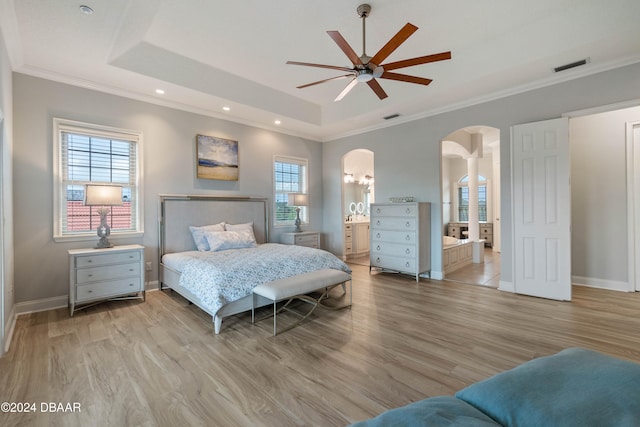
[[178, 212]]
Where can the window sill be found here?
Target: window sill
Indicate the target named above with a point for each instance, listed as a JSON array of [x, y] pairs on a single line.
[[94, 236]]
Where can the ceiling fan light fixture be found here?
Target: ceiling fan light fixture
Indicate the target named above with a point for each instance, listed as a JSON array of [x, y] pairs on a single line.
[[364, 76]]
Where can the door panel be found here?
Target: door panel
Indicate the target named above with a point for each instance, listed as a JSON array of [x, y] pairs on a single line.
[[541, 209]]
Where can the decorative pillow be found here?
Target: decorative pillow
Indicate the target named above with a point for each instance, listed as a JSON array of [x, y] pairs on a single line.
[[575, 387], [223, 240], [198, 234], [240, 227], [441, 411]]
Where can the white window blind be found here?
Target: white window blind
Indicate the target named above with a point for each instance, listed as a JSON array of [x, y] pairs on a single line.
[[290, 176], [91, 154]]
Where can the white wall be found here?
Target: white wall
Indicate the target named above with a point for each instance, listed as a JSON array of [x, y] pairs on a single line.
[[407, 156], [6, 204], [599, 198], [169, 168]]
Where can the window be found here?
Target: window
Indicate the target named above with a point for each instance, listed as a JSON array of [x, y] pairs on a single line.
[[92, 154], [290, 176], [463, 198]]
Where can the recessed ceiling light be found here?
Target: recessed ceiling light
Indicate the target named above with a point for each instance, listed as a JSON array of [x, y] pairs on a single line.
[[160, 91], [86, 9], [226, 108], [277, 122]]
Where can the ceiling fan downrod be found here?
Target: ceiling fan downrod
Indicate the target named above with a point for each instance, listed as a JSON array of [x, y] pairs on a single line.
[[363, 12]]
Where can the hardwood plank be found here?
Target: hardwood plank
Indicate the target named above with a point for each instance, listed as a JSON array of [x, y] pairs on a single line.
[[158, 363]]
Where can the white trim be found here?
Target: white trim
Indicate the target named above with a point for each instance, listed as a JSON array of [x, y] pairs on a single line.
[[633, 202], [84, 237], [302, 161], [44, 304], [612, 285], [10, 327], [506, 286], [602, 109], [64, 125], [437, 275]]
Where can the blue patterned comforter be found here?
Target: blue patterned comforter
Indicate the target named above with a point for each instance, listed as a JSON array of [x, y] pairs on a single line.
[[218, 278]]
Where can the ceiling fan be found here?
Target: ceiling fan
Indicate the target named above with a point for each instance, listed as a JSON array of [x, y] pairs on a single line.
[[367, 69]]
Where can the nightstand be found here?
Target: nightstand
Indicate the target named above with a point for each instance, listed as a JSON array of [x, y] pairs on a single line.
[[97, 275], [310, 239]]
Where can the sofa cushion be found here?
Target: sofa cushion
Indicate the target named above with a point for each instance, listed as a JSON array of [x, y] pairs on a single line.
[[575, 387], [441, 411]]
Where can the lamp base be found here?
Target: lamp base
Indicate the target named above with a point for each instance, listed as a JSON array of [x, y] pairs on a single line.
[[103, 231], [298, 222]]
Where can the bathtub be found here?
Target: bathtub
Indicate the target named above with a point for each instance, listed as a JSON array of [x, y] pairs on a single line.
[[456, 253]]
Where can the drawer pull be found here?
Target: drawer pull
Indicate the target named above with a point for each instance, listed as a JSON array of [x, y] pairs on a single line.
[[407, 264], [89, 260], [407, 238], [131, 269], [89, 291], [378, 235], [378, 210], [90, 275], [130, 284], [408, 210], [378, 247], [131, 256], [407, 251], [378, 259], [378, 222], [408, 224]]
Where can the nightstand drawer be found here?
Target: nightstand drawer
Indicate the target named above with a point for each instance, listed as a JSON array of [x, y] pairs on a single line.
[[96, 274], [105, 259], [108, 289]]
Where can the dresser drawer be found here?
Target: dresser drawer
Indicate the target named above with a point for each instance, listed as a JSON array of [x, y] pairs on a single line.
[[396, 210], [348, 235], [108, 289], [405, 265], [486, 231], [105, 259], [96, 274], [394, 249], [393, 236], [393, 223], [310, 241]]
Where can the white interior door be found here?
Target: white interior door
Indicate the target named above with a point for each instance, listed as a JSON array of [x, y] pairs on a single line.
[[541, 209]]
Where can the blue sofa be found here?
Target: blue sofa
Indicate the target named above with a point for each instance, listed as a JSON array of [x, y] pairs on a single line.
[[576, 387]]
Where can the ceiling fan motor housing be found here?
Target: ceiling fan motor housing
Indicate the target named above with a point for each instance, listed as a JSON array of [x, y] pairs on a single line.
[[364, 10]]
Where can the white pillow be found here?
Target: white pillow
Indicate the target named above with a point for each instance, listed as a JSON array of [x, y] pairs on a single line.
[[223, 240], [247, 226], [198, 234]]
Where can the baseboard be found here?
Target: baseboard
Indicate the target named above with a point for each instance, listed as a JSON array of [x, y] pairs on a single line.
[[42, 305], [613, 285], [60, 302], [506, 286], [10, 327], [437, 275]]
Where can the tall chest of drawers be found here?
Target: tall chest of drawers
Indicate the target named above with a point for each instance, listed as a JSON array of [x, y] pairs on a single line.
[[101, 274], [400, 237]]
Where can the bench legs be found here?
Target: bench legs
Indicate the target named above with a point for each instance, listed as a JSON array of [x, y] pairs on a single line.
[[305, 298]]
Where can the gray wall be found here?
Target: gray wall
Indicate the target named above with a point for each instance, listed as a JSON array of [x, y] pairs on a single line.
[[599, 196], [407, 156], [6, 204], [168, 165]]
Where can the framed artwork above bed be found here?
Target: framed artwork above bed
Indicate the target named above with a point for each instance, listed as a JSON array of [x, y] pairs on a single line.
[[217, 158]]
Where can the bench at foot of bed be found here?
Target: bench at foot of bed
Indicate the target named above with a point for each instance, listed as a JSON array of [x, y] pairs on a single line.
[[298, 287]]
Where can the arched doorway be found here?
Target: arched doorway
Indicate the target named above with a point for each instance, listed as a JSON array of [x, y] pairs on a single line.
[[357, 195], [471, 205]]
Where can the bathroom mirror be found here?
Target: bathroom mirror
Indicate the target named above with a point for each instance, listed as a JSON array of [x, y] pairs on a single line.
[[356, 199]]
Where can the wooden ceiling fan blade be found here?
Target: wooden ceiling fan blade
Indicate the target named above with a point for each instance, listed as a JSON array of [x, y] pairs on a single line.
[[375, 86], [405, 78], [309, 64], [325, 80], [344, 46], [417, 61], [393, 44], [347, 89]]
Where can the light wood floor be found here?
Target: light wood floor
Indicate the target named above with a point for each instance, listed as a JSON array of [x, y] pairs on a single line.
[[158, 363]]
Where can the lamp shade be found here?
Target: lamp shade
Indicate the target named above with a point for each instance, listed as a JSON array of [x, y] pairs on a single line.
[[298, 199], [102, 195]]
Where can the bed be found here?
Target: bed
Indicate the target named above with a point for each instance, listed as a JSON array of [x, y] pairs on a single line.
[[220, 282]]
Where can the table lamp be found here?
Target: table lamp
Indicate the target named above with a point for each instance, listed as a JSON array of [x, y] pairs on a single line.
[[297, 200], [103, 196]]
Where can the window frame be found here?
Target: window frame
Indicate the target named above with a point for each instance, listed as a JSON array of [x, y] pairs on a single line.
[[59, 195], [304, 210], [482, 182]]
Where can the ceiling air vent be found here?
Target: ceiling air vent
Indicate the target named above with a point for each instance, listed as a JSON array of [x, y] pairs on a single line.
[[393, 116], [572, 65]]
